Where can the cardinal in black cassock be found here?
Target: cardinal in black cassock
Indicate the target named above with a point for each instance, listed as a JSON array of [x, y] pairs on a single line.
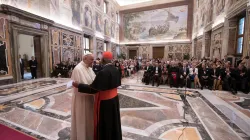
[[107, 111]]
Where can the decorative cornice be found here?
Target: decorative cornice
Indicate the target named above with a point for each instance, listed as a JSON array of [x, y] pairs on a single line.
[[10, 10], [66, 28], [208, 27], [218, 26], [237, 8]]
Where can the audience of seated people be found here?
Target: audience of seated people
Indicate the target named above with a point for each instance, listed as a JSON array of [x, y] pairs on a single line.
[[210, 74], [63, 69]]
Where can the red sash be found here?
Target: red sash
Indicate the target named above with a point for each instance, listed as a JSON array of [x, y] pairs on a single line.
[[102, 95]]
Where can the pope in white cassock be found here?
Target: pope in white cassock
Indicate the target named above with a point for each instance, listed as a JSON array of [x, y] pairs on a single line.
[[82, 111]]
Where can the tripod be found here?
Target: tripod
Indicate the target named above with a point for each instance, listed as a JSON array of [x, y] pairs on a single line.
[[184, 100]]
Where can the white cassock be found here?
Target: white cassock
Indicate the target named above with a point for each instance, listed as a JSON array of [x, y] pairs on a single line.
[[82, 111]]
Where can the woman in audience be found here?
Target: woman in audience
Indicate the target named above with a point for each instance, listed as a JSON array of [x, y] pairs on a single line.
[[193, 75]]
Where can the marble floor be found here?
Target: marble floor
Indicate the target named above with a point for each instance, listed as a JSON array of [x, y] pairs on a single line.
[[41, 108]]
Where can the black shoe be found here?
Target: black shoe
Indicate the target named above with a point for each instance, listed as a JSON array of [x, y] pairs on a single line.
[[201, 88]]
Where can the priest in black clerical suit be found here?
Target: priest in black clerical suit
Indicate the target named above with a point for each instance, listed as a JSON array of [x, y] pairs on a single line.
[[107, 112], [33, 67]]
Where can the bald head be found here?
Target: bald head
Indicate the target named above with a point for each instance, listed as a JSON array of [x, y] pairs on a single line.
[[88, 59]]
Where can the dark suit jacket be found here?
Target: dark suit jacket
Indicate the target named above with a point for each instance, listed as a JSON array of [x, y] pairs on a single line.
[[182, 70], [204, 72], [216, 73], [21, 64], [33, 64], [159, 71], [149, 70], [224, 74]]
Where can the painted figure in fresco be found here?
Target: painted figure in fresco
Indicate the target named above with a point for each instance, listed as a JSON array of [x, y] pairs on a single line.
[[54, 10], [98, 2], [106, 29], [75, 5], [88, 17], [55, 37], [113, 30], [2, 31], [98, 22], [220, 4]]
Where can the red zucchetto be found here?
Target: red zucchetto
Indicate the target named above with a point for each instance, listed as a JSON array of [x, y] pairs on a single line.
[[107, 55]]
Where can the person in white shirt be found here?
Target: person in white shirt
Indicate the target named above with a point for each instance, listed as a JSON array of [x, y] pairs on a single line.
[[193, 75]]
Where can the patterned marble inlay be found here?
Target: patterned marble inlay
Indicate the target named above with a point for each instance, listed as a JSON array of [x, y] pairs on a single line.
[[129, 102], [43, 110], [188, 133], [37, 104]]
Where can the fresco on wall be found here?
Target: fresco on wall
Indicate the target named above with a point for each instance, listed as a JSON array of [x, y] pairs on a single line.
[[113, 30], [106, 27], [2, 30], [112, 11], [160, 24], [54, 8], [55, 37], [98, 22], [68, 40], [117, 32], [75, 5], [56, 53], [99, 2], [67, 53], [72, 13], [88, 17], [219, 6]]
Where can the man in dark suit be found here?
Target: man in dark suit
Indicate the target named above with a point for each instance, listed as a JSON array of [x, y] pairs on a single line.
[[184, 71], [214, 77], [21, 61], [156, 74], [33, 67], [147, 73], [204, 76], [229, 81], [241, 78]]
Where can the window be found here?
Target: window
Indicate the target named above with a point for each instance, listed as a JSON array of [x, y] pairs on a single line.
[[240, 35], [117, 17], [105, 8], [105, 47], [86, 45]]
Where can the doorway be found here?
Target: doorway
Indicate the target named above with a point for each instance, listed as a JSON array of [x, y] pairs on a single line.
[[29, 46], [40, 50], [132, 54], [158, 52]]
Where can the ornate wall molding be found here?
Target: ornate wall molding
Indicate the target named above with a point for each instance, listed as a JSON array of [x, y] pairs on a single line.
[[238, 7]]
